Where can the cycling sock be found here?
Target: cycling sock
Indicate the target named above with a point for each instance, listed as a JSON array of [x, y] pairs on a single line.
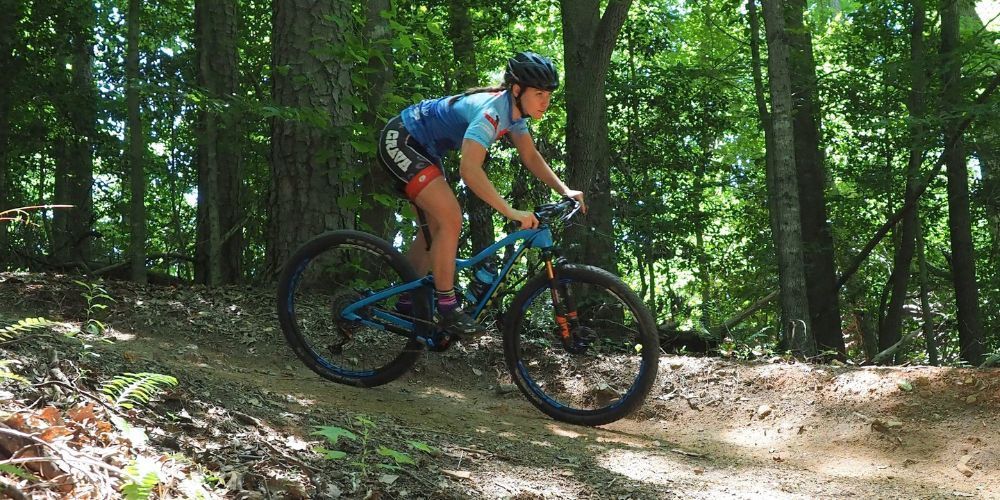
[[447, 301]]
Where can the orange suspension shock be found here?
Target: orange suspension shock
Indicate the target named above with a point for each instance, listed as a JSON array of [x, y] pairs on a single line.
[[562, 304]]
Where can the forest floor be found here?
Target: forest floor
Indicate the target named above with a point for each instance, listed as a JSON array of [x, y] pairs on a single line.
[[241, 421]]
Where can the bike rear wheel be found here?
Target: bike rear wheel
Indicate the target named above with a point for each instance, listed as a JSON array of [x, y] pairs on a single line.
[[331, 272], [607, 370]]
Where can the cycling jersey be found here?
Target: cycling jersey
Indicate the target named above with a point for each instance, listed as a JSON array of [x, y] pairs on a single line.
[[441, 126]]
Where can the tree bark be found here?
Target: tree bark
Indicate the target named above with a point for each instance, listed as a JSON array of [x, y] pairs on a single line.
[[136, 147], [11, 12], [309, 163], [891, 327], [76, 101], [589, 39], [219, 246], [376, 216], [926, 324], [970, 330], [817, 239], [466, 76], [796, 329], [760, 95]]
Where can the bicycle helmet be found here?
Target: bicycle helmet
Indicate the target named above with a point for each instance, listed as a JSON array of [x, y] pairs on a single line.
[[531, 70]]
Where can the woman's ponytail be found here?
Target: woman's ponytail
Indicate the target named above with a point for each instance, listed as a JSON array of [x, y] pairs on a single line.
[[477, 90]]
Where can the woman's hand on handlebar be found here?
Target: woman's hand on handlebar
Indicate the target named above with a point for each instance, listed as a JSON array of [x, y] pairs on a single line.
[[578, 196], [527, 220]]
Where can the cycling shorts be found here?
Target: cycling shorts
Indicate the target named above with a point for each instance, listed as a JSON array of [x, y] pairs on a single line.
[[406, 160]]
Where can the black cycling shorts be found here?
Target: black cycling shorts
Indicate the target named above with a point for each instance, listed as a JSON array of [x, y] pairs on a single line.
[[406, 160]]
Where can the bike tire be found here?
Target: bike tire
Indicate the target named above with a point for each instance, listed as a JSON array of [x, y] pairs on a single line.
[[554, 379], [310, 337]]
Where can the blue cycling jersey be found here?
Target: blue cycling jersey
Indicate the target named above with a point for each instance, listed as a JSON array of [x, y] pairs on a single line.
[[440, 126]]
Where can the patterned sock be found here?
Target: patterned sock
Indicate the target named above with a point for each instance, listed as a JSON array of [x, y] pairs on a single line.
[[447, 301]]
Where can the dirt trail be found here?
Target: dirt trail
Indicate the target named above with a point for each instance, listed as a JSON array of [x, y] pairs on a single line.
[[711, 428]]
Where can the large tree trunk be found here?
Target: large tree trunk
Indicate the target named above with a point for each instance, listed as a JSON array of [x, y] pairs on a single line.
[[309, 164], [466, 75], [219, 246], [11, 12], [817, 239], [589, 39], [760, 95], [136, 146], [891, 328], [970, 330], [76, 102], [377, 217], [796, 329]]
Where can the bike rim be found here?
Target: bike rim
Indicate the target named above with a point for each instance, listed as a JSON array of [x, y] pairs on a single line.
[[605, 374], [322, 286]]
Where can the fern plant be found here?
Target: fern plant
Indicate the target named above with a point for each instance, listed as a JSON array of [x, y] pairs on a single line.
[[143, 475], [11, 331], [6, 374], [129, 389]]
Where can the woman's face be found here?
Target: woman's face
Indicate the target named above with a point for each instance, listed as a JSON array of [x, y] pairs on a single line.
[[535, 101]]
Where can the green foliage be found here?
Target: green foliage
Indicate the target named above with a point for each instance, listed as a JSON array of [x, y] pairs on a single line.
[[6, 374], [97, 300], [143, 475], [21, 327], [129, 389], [17, 471], [363, 461]]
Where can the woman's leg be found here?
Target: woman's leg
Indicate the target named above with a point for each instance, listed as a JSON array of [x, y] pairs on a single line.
[[444, 216]]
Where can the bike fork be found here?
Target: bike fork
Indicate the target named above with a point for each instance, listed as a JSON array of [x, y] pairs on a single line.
[[563, 305]]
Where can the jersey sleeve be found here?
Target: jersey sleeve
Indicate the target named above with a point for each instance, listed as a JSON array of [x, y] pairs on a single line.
[[519, 127], [484, 128]]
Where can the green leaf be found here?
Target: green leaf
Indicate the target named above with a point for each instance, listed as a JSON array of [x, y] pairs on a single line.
[[333, 434], [17, 472], [421, 446], [330, 454], [399, 457]]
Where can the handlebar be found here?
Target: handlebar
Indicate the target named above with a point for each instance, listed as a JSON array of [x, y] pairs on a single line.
[[561, 211]]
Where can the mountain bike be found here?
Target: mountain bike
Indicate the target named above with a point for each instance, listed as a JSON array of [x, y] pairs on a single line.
[[578, 342]]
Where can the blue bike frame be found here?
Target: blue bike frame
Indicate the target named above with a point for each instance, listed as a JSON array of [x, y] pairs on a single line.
[[540, 238]]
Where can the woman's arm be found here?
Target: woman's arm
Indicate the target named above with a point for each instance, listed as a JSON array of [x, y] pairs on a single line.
[[537, 165], [471, 171]]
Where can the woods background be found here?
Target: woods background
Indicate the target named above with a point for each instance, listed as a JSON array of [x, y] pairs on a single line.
[[844, 153]]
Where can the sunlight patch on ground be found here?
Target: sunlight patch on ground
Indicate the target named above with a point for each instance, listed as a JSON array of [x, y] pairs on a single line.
[[438, 391], [525, 481], [755, 437], [564, 432], [699, 481]]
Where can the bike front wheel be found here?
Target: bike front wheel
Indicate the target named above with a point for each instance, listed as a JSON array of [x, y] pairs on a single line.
[[328, 274], [607, 367]]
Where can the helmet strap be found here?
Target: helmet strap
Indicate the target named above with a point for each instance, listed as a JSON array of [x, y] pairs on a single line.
[[517, 99]]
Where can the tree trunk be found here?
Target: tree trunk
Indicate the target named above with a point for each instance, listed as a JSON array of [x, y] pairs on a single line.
[[466, 75], [309, 163], [817, 239], [970, 330], [925, 302], [136, 147], [589, 40], [80, 106], [377, 217], [891, 327], [796, 329], [219, 246], [11, 12]]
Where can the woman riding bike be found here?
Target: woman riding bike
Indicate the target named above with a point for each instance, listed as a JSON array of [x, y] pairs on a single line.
[[410, 149]]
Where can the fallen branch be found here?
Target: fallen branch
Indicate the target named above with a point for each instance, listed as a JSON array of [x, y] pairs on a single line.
[[895, 347]]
